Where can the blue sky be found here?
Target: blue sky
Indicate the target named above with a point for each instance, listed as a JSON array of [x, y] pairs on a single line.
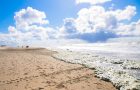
[[33, 21], [56, 10]]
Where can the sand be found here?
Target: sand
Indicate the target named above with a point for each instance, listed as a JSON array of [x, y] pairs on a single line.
[[36, 69]]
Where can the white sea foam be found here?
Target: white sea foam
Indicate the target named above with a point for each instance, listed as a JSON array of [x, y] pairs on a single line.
[[110, 69], [117, 60]]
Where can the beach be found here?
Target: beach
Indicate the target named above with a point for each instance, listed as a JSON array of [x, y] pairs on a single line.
[[38, 69]]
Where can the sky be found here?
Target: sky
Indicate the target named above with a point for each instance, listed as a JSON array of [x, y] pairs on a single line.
[[39, 21], [56, 10]]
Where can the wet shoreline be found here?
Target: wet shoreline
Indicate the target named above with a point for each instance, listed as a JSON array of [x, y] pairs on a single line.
[[116, 70]]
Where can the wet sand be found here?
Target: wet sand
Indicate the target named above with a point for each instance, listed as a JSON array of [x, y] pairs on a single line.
[[36, 69]]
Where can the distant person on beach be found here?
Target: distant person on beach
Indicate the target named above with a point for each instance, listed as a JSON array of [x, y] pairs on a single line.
[[27, 46]]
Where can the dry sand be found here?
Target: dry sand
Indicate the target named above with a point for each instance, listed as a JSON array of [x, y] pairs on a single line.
[[36, 69]]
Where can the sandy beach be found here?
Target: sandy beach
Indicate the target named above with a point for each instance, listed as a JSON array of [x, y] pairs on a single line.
[[36, 69]]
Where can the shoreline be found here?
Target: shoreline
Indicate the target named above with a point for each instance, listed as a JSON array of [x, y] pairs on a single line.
[[112, 70], [38, 70]]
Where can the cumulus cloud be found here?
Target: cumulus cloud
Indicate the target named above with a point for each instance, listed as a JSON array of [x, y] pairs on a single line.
[[29, 16], [97, 18], [132, 29], [93, 2], [125, 14], [68, 28], [30, 26], [98, 24]]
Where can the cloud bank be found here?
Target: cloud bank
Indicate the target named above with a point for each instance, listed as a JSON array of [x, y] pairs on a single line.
[[92, 24]]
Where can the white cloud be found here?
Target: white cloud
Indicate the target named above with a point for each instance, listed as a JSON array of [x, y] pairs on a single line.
[[94, 19], [93, 2], [97, 22], [69, 26], [30, 26], [125, 14], [12, 29], [137, 28], [30, 16], [132, 29], [97, 18], [5, 39], [90, 19]]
